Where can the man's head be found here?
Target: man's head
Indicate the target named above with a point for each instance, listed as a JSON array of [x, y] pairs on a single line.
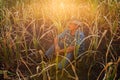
[[74, 24]]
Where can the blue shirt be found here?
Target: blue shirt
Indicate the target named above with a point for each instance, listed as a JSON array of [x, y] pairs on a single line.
[[73, 40]]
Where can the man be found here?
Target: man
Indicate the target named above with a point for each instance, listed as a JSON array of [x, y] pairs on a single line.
[[68, 42]]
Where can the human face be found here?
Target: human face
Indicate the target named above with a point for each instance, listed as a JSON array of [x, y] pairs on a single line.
[[72, 27]]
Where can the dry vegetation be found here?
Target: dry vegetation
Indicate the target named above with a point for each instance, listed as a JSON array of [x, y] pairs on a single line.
[[27, 29]]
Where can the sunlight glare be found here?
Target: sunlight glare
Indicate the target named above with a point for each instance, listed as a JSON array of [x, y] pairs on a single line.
[[62, 5]]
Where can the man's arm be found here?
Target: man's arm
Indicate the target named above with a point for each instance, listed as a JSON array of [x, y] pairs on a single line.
[[57, 48], [56, 39], [69, 49]]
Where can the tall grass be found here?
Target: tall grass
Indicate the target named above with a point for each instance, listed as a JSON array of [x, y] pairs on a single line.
[[27, 29]]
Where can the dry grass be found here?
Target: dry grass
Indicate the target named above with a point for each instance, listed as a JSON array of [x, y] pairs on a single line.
[[27, 29]]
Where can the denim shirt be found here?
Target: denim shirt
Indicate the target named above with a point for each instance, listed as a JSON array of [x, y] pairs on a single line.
[[72, 40]]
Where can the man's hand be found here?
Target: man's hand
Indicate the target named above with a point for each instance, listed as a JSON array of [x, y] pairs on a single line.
[[70, 48], [57, 49]]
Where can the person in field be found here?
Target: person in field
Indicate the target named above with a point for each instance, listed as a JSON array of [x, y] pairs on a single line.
[[69, 43]]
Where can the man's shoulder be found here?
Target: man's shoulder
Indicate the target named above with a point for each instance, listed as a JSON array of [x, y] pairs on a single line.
[[79, 31], [65, 31]]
